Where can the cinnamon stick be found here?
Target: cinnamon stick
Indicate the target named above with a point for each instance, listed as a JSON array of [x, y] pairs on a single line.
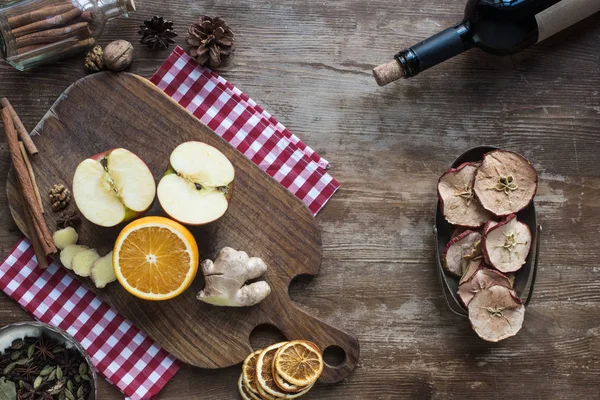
[[23, 134], [53, 35], [48, 23], [38, 249], [36, 189], [26, 187], [38, 15]]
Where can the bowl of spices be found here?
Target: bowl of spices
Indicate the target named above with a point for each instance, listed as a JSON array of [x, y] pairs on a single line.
[[38, 361]]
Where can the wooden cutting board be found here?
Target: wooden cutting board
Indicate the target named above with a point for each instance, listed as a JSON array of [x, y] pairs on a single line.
[[108, 110]]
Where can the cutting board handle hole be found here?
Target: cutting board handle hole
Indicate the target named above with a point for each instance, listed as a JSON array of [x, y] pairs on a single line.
[[334, 356], [265, 335]]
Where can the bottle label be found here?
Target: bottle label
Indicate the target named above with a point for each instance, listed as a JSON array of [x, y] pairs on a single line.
[[564, 14]]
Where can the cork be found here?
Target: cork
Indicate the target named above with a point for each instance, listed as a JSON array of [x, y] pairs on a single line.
[[388, 72]]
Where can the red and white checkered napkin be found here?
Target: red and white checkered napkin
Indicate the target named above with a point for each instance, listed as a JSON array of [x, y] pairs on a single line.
[[247, 127], [120, 351]]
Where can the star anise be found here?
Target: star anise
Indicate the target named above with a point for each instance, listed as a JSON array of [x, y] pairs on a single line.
[[29, 392], [44, 349], [28, 372]]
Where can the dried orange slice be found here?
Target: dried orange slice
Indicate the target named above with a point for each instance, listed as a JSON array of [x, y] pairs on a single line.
[[299, 362], [285, 385], [264, 376], [249, 371], [244, 391], [155, 258]]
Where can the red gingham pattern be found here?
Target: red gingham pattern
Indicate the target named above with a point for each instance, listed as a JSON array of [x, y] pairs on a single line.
[[247, 127], [120, 352]]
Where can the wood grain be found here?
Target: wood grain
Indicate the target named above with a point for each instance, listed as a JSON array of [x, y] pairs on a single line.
[[263, 219], [309, 64]]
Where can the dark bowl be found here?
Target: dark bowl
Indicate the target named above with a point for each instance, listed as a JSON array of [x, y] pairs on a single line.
[[442, 230], [20, 330]]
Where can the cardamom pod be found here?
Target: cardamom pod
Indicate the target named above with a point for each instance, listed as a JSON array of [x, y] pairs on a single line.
[[9, 368], [59, 373], [30, 350], [38, 381], [47, 370], [82, 368]]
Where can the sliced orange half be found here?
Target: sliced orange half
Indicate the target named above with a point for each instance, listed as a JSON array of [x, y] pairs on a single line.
[[155, 258], [299, 363]]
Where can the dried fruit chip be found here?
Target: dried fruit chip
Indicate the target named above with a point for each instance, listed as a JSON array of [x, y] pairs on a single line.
[[472, 268], [489, 225], [460, 251], [457, 198], [285, 385], [496, 313], [507, 244], [265, 384], [299, 362], [249, 371], [244, 391], [483, 279], [505, 183]]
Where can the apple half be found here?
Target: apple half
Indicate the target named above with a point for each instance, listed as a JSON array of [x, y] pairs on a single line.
[[113, 187], [198, 184]]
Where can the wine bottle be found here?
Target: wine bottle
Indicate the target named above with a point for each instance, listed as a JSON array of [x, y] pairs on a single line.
[[496, 26]]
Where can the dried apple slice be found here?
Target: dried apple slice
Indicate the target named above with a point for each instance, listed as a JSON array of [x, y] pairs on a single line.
[[472, 268], [496, 313], [483, 278], [506, 245], [459, 205], [489, 225], [459, 251], [505, 183]]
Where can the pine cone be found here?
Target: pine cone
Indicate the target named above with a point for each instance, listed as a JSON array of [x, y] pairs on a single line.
[[157, 33], [94, 61], [60, 197], [210, 40]]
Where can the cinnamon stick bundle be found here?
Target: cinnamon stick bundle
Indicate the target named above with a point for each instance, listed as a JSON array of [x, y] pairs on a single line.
[[38, 15], [48, 23], [54, 35], [39, 231]]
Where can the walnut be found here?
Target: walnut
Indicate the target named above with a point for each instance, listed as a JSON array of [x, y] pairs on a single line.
[[60, 196], [118, 55]]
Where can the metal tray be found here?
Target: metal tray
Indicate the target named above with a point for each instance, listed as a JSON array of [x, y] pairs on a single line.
[[442, 231]]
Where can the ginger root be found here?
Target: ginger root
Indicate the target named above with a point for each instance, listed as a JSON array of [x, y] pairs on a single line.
[[226, 280]]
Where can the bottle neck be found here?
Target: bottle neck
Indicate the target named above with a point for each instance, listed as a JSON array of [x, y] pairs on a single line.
[[434, 50], [116, 8]]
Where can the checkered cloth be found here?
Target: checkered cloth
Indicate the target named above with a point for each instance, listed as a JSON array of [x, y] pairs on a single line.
[[247, 127], [121, 352]]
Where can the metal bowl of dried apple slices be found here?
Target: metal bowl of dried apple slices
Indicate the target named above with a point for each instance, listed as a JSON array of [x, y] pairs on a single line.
[[487, 239]]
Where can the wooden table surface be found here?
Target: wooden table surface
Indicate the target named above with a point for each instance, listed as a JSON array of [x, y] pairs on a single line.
[[308, 63]]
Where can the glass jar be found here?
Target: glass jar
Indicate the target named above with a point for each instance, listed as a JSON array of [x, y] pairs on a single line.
[[34, 32]]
